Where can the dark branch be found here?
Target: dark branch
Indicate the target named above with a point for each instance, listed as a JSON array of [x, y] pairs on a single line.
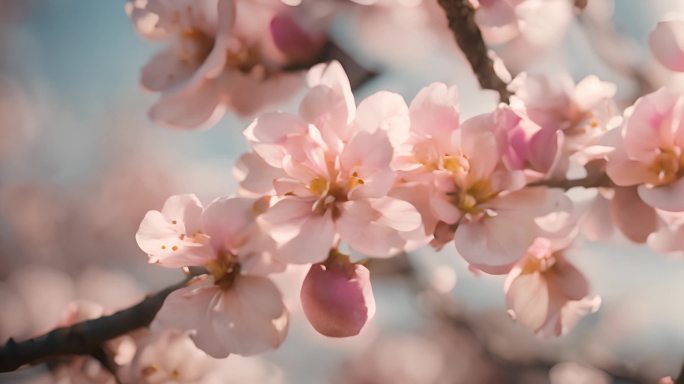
[[600, 181], [84, 338], [461, 17]]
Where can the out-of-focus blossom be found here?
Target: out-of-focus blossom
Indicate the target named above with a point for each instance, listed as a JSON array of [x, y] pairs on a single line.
[[472, 194], [17, 117], [667, 43], [573, 373], [337, 297], [546, 293], [570, 116], [234, 309], [330, 168], [223, 55], [649, 153], [669, 236], [666, 380], [541, 22], [171, 357]]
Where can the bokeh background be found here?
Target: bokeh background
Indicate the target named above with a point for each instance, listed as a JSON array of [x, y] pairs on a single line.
[[80, 164]]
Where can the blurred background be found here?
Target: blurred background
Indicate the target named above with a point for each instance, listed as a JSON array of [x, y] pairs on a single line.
[[80, 164]]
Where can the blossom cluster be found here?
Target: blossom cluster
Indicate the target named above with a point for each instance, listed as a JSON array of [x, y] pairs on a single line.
[[340, 180]]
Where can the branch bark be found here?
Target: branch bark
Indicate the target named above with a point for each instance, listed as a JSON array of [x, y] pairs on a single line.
[[85, 337], [461, 17]]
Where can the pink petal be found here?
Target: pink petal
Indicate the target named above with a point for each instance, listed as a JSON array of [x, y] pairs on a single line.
[[666, 197], [385, 111], [173, 236], [635, 219], [667, 44], [650, 125], [369, 156], [358, 227], [255, 175], [165, 71], [434, 113], [305, 237], [275, 127], [228, 222], [246, 319], [528, 297], [190, 108]]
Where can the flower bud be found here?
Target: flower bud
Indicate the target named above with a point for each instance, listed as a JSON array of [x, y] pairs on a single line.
[[337, 297], [299, 44]]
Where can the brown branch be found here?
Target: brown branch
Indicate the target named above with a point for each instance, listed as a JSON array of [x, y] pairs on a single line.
[[598, 181], [461, 17], [86, 337]]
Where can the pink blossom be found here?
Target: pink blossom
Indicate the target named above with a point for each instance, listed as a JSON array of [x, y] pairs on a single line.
[[649, 153], [569, 117], [470, 189], [546, 293], [667, 43], [233, 309], [539, 21], [171, 357], [217, 60], [330, 168], [337, 297]]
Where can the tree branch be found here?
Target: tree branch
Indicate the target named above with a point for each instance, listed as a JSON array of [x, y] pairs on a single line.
[[85, 337], [461, 17], [598, 181]]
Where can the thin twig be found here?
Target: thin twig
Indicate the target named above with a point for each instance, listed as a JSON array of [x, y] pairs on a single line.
[[461, 17], [86, 337]]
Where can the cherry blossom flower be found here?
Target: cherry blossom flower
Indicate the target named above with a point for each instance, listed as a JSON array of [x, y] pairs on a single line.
[[471, 194], [337, 297], [569, 116], [330, 168], [223, 55], [667, 43], [546, 293], [234, 309], [649, 153]]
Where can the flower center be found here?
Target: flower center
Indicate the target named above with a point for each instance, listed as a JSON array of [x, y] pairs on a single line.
[[329, 193], [243, 58], [470, 200], [538, 264], [224, 269], [668, 165], [194, 47]]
